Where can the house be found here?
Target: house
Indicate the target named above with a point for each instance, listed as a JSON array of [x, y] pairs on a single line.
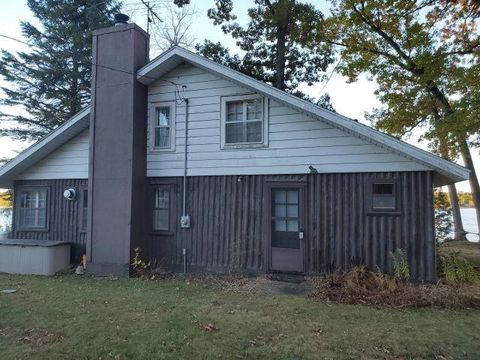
[[207, 169]]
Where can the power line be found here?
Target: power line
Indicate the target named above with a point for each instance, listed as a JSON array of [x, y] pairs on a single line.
[[106, 67], [17, 40]]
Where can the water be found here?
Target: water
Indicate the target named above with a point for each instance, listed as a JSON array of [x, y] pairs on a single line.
[[470, 223], [5, 222], [468, 216]]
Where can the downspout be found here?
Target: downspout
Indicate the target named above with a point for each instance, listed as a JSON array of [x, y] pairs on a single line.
[[185, 218]]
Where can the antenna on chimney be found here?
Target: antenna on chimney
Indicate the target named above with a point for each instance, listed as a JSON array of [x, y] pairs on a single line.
[[152, 13]]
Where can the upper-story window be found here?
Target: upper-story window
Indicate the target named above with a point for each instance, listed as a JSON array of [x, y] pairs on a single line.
[[244, 121], [162, 126], [32, 209]]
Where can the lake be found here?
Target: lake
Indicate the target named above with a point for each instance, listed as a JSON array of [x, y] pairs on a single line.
[[468, 216], [470, 223]]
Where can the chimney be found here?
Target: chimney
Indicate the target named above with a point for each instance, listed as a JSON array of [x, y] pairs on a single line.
[[117, 170]]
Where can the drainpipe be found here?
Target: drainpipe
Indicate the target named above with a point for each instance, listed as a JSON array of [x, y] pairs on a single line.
[[185, 220]]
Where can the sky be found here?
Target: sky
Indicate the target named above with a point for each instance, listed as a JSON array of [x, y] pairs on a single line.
[[350, 99]]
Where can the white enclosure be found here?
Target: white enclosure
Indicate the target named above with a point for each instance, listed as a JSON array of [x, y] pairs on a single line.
[[36, 257]]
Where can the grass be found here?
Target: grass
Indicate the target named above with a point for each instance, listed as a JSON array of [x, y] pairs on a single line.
[[468, 250], [68, 317]]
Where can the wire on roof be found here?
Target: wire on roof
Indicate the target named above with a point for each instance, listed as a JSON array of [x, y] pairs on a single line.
[[102, 66]]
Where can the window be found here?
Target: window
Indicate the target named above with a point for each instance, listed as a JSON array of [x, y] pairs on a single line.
[[382, 196], [84, 210], [243, 121], [32, 209], [162, 129], [286, 210], [161, 209]]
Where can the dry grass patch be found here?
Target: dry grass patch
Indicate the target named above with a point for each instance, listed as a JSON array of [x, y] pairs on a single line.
[[362, 286]]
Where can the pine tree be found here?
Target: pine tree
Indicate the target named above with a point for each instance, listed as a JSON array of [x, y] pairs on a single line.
[[281, 43], [51, 82]]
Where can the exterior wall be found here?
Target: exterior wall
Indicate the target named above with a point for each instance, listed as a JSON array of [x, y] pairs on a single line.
[[230, 222], [296, 141], [70, 161], [63, 216]]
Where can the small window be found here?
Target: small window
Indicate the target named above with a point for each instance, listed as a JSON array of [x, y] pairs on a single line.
[[162, 127], [243, 121], [84, 210], [161, 209], [383, 196], [32, 209]]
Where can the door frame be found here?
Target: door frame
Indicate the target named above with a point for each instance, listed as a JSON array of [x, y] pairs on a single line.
[[303, 216]]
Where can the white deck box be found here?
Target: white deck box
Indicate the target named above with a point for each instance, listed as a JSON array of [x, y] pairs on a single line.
[[36, 257]]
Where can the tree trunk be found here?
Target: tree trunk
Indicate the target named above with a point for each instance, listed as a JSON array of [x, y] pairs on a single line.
[[280, 60], [443, 103], [459, 231]]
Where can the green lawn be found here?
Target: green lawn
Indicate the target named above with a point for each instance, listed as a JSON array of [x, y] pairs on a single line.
[[466, 249], [69, 317]]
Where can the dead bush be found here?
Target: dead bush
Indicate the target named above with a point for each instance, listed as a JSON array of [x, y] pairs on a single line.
[[362, 286]]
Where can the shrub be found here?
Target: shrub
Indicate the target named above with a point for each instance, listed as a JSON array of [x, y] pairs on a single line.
[[401, 269], [443, 216], [139, 267], [456, 270]]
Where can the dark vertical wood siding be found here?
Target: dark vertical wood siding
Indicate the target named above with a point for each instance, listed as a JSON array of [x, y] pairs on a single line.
[[229, 218], [63, 216]]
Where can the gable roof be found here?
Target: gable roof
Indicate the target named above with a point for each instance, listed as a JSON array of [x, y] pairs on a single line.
[[446, 171], [36, 152]]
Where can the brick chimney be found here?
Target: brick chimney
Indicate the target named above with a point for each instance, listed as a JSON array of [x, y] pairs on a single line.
[[117, 170]]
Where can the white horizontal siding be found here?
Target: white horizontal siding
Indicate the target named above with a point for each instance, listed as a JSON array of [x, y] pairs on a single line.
[[69, 161], [296, 141]]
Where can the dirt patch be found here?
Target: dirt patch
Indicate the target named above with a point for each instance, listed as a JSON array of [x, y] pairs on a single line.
[[35, 337], [40, 337], [251, 285], [361, 286]]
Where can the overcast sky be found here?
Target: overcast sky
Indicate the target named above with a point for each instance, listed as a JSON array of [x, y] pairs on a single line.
[[351, 100]]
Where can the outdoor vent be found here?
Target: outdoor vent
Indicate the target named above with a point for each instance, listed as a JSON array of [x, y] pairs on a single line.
[[121, 19], [70, 194]]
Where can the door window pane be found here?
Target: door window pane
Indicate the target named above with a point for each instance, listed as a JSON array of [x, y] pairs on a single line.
[[292, 225], [285, 210], [280, 196], [292, 211], [280, 210]]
